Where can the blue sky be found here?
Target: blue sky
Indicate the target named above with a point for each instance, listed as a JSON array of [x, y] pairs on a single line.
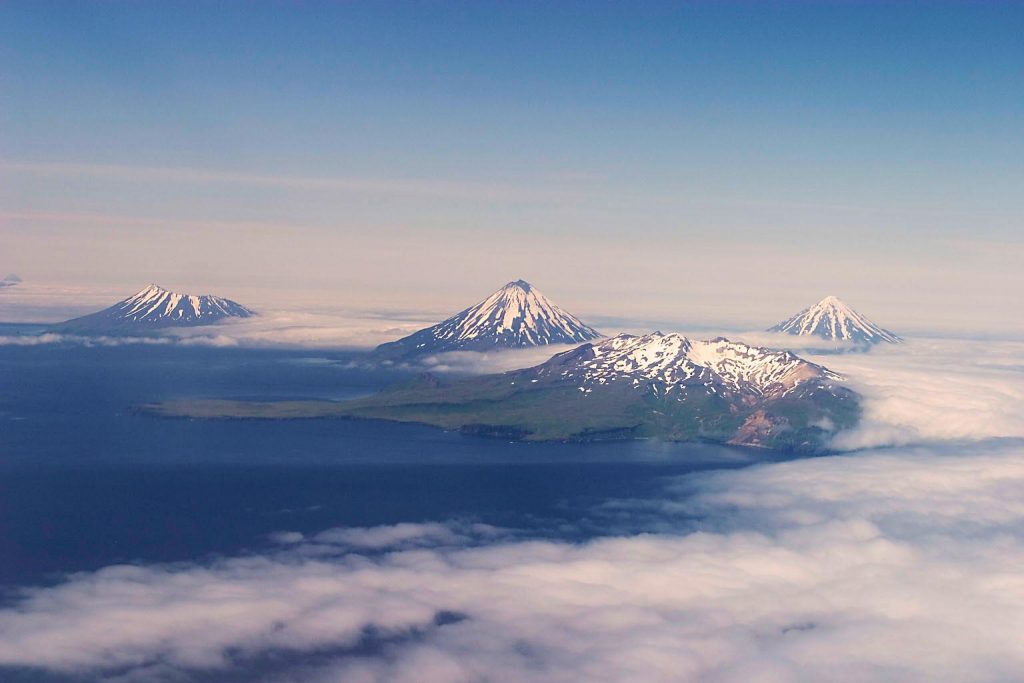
[[739, 155]]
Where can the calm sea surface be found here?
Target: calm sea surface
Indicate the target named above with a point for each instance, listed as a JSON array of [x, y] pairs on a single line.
[[85, 482]]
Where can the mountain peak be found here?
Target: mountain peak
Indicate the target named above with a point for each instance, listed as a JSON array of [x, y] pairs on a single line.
[[519, 284], [152, 288], [155, 307], [832, 318], [516, 316]]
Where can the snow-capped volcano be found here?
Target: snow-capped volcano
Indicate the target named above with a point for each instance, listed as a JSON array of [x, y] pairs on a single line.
[[831, 318], [651, 386], [515, 316], [155, 307], [672, 362], [661, 386]]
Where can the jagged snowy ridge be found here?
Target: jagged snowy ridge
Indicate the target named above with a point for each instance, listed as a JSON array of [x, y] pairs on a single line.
[[672, 361]]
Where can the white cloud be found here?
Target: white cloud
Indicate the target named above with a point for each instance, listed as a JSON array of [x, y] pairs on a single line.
[[405, 535], [475, 362], [272, 328], [78, 340], [935, 389], [886, 565], [298, 329]]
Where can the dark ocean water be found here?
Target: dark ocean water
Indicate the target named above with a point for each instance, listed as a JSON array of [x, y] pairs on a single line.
[[85, 482]]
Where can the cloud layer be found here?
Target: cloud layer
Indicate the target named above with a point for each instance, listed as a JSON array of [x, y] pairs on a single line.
[[894, 565], [935, 389], [272, 328], [900, 563]]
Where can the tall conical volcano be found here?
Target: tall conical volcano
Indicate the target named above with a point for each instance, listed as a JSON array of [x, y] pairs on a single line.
[[831, 318], [155, 307], [515, 316]]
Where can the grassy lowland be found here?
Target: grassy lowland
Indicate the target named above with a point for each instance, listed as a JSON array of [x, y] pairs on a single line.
[[526, 405]]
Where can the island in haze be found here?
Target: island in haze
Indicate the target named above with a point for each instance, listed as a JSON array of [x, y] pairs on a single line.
[[516, 316], [651, 386], [154, 308]]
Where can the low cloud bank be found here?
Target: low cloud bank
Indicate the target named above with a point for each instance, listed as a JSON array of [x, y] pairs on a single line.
[[291, 329], [935, 390], [475, 362], [403, 536], [901, 564], [270, 329], [56, 339]]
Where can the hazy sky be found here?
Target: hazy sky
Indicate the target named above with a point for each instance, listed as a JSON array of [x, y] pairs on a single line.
[[704, 162]]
